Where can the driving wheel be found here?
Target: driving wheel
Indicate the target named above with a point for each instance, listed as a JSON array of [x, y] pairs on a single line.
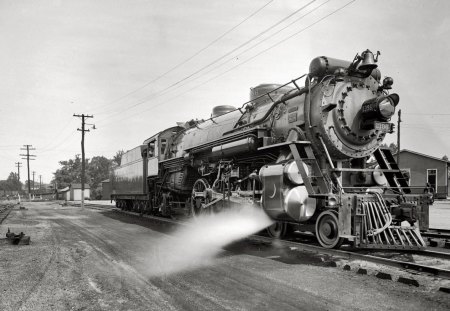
[[201, 195]]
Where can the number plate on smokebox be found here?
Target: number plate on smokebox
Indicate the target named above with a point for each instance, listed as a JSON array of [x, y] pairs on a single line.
[[384, 127]]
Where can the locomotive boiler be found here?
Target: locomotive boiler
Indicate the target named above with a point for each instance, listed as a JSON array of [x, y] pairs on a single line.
[[307, 152]]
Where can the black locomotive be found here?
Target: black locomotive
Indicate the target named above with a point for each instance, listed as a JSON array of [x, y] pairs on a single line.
[[300, 151]]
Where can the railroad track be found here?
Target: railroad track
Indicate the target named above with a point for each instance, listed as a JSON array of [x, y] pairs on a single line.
[[94, 206], [378, 257], [5, 209], [437, 233]]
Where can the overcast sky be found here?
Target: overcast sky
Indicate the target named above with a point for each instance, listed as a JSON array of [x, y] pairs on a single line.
[[140, 66]]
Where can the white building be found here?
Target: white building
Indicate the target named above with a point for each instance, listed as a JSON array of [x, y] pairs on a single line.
[[75, 192]]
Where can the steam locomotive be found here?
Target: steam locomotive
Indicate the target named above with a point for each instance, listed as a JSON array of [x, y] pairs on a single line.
[[307, 153]]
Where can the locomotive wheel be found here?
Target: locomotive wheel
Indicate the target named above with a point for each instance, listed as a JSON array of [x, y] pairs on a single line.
[[135, 206], [327, 230], [280, 230], [201, 195]]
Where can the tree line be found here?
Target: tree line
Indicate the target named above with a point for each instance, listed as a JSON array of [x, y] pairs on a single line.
[[97, 169], [10, 185]]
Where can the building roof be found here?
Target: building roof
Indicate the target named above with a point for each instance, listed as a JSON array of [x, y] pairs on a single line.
[[63, 190], [424, 155], [78, 186]]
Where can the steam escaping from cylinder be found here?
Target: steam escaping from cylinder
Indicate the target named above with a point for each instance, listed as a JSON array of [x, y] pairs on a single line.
[[199, 242]]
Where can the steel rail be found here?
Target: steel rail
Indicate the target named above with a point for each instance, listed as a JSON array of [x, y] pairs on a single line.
[[444, 273], [439, 230], [437, 233], [4, 212], [434, 254]]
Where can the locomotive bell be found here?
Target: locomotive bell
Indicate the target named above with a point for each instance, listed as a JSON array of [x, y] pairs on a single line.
[[368, 61]]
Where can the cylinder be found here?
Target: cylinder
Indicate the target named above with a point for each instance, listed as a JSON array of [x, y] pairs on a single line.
[[298, 204], [292, 173], [322, 66]]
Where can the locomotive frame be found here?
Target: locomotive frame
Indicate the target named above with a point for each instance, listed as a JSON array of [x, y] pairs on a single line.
[[300, 153]]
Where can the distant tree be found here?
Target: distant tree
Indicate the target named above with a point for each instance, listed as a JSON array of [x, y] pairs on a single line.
[[12, 183], [392, 147], [97, 171], [70, 172], [448, 166], [117, 159]]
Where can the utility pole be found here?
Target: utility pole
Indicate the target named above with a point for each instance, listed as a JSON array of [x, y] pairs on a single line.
[[34, 191], [82, 130], [398, 136], [40, 182], [28, 158], [18, 170], [18, 175]]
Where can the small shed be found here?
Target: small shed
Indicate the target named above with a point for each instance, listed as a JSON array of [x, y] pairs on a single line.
[[106, 190], [75, 192], [425, 169]]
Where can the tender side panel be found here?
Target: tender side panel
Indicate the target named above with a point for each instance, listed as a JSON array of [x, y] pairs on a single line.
[[128, 178]]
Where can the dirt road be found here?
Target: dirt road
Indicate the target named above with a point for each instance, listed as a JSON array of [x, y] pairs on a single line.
[[94, 260]]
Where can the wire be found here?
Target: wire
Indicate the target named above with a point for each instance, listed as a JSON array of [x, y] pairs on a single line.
[[244, 62], [189, 58], [215, 61], [163, 92], [52, 142], [64, 141]]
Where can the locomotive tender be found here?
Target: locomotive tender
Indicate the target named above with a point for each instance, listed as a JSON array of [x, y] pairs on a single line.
[[300, 152]]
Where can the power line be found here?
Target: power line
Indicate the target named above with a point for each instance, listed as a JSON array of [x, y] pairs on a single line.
[[64, 142], [216, 60], [244, 62], [190, 57], [54, 141], [165, 91]]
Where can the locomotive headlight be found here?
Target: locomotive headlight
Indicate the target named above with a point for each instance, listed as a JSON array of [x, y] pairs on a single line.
[[380, 108], [386, 108]]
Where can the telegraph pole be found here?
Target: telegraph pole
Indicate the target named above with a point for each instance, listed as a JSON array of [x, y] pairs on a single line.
[[40, 182], [34, 191], [18, 177], [18, 170], [398, 136], [82, 130], [29, 157]]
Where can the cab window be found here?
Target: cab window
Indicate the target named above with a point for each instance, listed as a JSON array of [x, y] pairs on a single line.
[[151, 149], [163, 146]]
